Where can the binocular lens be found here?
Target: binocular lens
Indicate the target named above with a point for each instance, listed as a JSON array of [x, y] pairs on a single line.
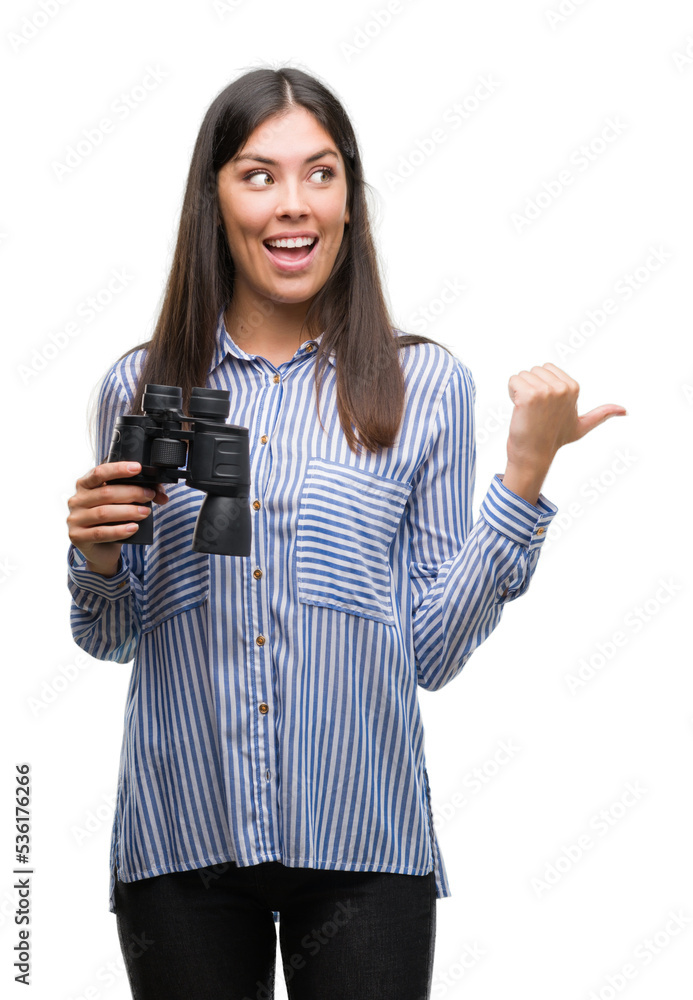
[[161, 397], [210, 403]]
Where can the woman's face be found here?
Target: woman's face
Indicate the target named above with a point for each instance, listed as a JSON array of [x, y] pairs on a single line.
[[301, 192]]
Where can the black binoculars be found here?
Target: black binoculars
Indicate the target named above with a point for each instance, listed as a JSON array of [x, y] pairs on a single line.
[[217, 458]]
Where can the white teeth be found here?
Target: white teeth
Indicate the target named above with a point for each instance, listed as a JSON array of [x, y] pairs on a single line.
[[299, 241]]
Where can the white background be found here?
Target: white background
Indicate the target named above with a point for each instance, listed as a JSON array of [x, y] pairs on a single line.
[[623, 491]]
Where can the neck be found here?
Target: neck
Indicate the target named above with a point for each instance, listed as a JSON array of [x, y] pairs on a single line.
[[256, 323]]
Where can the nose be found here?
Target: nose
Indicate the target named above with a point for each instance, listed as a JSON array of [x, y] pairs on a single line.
[[291, 199]]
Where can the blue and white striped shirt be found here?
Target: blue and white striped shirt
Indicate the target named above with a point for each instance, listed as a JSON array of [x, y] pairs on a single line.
[[272, 710]]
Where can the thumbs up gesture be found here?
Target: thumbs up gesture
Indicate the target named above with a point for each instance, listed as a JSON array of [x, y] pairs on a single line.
[[545, 418]]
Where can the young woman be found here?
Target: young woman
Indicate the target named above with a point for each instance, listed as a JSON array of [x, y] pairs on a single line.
[[273, 755]]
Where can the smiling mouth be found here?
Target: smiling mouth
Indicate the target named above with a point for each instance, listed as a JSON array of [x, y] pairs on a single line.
[[292, 253]]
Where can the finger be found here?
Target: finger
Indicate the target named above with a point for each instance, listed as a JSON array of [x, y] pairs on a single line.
[[556, 378], [588, 421], [533, 378], [522, 381], [539, 377], [561, 374], [87, 517], [100, 474], [102, 533], [114, 493]]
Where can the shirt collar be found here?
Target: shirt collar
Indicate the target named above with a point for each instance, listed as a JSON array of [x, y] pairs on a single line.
[[225, 345]]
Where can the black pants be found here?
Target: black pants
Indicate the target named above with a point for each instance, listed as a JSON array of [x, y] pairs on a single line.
[[208, 933]]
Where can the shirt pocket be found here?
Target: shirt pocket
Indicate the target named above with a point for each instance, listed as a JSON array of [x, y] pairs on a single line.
[[175, 578], [346, 524]]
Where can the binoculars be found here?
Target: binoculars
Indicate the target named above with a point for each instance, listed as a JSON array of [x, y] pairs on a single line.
[[216, 455]]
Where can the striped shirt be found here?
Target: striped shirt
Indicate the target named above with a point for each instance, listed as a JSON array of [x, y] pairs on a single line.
[[272, 710]]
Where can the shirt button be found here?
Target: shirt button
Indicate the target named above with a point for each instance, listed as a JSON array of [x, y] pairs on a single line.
[[264, 707], [257, 574], [310, 347], [263, 439], [121, 584], [260, 640], [540, 531], [256, 505], [276, 378], [505, 593]]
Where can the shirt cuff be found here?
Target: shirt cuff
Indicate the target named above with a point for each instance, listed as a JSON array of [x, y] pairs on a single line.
[[515, 517], [110, 587]]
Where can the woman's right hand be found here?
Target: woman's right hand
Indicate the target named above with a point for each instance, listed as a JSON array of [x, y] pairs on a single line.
[[95, 504]]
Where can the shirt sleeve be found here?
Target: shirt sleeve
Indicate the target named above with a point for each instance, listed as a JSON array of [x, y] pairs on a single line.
[[104, 613], [463, 575]]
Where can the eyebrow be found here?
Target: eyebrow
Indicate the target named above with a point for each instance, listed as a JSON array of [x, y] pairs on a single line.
[[273, 163]]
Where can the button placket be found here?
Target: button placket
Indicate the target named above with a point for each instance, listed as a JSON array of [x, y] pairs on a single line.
[[265, 737]]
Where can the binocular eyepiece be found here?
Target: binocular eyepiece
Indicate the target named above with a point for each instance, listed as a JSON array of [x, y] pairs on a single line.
[[217, 457]]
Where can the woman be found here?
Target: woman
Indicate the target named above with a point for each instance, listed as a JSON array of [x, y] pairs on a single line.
[[273, 754]]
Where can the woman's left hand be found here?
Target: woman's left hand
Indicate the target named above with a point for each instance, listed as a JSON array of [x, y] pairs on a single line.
[[545, 415]]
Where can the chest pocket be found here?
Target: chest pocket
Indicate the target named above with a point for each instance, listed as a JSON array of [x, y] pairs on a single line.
[[175, 577], [346, 523]]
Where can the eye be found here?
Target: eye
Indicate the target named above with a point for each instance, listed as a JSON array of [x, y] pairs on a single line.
[[264, 173], [256, 173], [325, 170]]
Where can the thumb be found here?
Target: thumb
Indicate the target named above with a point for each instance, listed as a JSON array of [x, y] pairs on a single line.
[[588, 421]]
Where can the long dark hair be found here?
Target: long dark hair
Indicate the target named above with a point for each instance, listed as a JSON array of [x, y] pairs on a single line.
[[350, 308]]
